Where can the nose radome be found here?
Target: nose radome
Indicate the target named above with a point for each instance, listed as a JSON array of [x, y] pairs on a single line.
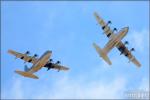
[[127, 28], [49, 51]]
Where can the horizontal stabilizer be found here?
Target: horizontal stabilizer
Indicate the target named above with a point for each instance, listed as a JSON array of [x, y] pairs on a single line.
[[26, 74], [102, 53]]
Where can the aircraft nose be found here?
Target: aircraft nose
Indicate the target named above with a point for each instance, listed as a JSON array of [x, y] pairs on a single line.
[[49, 51], [127, 28]]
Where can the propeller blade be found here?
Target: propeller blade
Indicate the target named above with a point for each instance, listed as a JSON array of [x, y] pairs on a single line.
[[48, 68], [35, 55], [115, 29], [27, 52], [51, 60], [109, 22], [58, 62], [126, 42], [132, 49]]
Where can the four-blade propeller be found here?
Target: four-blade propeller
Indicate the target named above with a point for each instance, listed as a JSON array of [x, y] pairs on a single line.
[[27, 52], [132, 49], [35, 55], [126, 42]]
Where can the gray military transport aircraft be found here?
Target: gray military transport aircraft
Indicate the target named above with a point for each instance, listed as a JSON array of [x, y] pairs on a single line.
[[114, 41], [38, 63]]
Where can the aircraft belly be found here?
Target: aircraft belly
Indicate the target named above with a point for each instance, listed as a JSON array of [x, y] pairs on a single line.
[[118, 38], [39, 65], [110, 44]]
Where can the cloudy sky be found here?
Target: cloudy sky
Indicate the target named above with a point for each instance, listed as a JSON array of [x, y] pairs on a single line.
[[69, 29]]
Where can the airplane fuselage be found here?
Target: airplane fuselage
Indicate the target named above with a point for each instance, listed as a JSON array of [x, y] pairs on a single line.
[[114, 40], [41, 62]]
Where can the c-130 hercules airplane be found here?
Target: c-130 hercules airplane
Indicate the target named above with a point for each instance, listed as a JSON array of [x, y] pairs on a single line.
[[38, 63], [114, 41]]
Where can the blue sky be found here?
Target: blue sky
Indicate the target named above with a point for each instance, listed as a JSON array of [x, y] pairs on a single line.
[[69, 29]]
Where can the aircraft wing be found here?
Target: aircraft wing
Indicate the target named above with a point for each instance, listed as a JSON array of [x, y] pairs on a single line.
[[104, 25], [124, 50], [24, 57], [59, 67]]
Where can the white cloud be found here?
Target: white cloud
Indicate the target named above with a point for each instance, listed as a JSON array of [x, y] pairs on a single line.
[[15, 92], [139, 39], [17, 89], [74, 88], [144, 84], [67, 88]]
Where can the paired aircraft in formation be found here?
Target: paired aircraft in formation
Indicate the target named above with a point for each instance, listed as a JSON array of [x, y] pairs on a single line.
[[45, 61]]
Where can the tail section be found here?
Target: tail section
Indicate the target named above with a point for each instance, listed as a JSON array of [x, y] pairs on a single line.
[[26, 74], [102, 53], [26, 68]]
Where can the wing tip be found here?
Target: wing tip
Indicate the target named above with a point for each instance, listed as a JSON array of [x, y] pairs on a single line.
[[10, 51], [66, 68], [139, 65]]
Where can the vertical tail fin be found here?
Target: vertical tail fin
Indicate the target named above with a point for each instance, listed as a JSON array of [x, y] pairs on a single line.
[[26, 68], [102, 53]]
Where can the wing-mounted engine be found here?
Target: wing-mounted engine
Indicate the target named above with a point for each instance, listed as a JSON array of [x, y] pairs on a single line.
[[123, 48], [107, 29], [132, 49], [131, 58], [51, 60], [49, 65], [126, 42], [31, 57], [115, 29], [103, 27], [26, 53], [35, 55], [58, 62]]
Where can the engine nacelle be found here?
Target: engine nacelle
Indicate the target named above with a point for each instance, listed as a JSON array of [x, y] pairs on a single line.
[[51, 60], [126, 42], [109, 22], [132, 49], [27, 52], [58, 62], [35, 55]]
